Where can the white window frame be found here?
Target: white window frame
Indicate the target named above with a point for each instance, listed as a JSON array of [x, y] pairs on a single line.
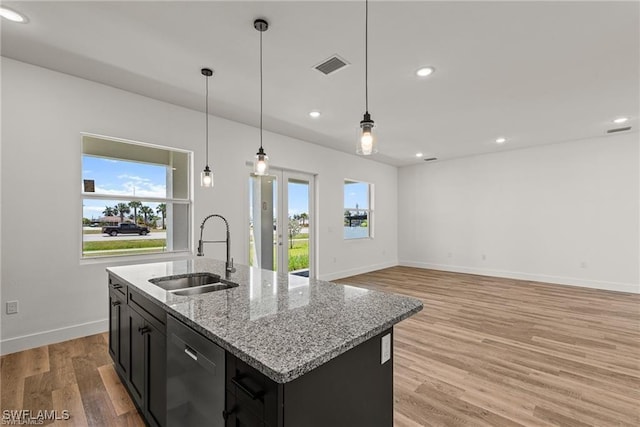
[[169, 201]]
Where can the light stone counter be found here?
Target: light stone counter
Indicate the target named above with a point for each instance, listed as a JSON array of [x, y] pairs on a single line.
[[283, 325]]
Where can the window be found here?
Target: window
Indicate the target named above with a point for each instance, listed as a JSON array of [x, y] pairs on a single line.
[[135, 198], [358, 210]]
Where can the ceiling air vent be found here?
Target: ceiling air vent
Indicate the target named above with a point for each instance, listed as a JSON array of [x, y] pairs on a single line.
[[331, 65], [619, 129], [431, 159]]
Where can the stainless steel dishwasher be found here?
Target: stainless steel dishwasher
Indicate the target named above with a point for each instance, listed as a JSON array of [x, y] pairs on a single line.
[[195, 378]]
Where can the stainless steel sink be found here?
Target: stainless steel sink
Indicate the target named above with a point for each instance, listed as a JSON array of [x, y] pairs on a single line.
[[204, 289], [192, 284], [185, 281]]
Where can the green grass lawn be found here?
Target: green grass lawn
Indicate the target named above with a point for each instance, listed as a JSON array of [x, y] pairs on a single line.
[[298, 255], [114, 245]]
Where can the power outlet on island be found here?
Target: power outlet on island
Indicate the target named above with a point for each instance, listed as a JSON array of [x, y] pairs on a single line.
[[12, 307], [386, 349]]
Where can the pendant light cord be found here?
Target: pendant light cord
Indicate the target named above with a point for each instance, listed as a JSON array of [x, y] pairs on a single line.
[[206, 110], [366, 55], [260, 90]]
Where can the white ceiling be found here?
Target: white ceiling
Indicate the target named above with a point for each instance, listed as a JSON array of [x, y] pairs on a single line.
[[534, 72]]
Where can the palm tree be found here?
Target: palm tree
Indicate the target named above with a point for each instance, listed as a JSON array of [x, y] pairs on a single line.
[[123, 209], [305, 219], [135, 205], [146, 211], [108, 211], [162, 210]]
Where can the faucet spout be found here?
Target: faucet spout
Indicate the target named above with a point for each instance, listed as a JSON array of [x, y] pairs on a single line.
[[229, 268]]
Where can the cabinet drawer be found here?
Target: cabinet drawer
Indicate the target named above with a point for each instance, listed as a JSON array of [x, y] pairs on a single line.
[[117, 285], [253, 392], [239, 416], [149, 310]]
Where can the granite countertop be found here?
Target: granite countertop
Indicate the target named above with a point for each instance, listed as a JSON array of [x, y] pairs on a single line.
[[283, 325]]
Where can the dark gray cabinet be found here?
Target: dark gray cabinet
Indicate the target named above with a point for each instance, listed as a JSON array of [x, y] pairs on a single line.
[[148, 370], [354, 389], [119, 327], [137, 345]]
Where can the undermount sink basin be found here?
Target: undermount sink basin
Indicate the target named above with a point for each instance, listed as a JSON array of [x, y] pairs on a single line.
[[192, 284], [204, 289]]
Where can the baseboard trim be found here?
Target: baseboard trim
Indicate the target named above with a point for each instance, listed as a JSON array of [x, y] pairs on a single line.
[[559, 280], [25, 342], [355, 271]]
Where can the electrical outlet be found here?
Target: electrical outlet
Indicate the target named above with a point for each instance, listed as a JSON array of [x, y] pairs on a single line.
[[386, 349], [484, 257], [449, 254], [583, 264], [12, 307]]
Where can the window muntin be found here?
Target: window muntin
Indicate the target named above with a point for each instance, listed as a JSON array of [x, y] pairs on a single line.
[[121, 179], [357, 210]]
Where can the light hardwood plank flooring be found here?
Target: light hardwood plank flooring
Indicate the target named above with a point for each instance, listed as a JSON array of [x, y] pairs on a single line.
[[502, 352], [76, 375], [484, 351]]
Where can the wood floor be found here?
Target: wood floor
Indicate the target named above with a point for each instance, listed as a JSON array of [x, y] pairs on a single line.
[[501, 352], [484, 351]]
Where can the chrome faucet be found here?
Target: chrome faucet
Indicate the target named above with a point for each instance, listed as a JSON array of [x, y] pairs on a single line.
[[228, 265]]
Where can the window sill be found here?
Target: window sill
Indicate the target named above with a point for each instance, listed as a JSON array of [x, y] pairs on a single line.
[[135, 259], [357, 239]]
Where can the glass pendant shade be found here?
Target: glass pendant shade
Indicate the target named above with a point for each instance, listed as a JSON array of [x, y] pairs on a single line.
[[206, 178], [367, 143], [261, 163]]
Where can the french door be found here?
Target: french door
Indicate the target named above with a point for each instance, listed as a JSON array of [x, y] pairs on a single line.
[[281, 222]]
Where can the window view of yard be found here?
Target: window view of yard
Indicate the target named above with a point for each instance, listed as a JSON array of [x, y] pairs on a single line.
[[357, 210], [148, 217], [135, 198]]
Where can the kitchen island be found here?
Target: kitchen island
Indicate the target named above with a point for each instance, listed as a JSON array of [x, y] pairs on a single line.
[[290, 351]]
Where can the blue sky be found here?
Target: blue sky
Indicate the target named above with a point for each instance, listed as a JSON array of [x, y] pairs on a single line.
[[356, 193], [122, 178], [298, 198]]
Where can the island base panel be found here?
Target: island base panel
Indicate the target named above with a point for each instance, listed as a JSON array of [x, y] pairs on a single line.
[[354, 389]]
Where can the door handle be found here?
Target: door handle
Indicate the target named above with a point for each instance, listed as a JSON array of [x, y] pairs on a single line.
[[252, 394], [115, 303], [191, 353]]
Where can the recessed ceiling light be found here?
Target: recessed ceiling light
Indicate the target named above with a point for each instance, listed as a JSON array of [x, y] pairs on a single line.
[[419, 154], [501, 140], [621, 120], [12, 15], [314, 114], [425, 71]]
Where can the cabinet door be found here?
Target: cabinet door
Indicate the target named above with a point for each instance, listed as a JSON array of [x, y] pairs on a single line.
[[137, 354], [156, 376], [114, 327], [119, 332]]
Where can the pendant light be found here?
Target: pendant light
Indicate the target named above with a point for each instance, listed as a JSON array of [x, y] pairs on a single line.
[[261, 163], [206, 176], [367, 143]]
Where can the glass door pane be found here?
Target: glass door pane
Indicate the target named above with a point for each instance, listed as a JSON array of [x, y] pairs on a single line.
[[281, 222], [297, 253], [263, 222]]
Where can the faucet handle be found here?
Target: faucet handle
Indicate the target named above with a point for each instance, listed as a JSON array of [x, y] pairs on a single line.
[[230, 267]]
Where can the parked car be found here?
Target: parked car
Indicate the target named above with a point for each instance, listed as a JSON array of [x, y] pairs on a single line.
[[125, 228]]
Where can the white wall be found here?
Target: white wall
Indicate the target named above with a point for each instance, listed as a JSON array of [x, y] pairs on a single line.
[[43, 114], [564, 213]]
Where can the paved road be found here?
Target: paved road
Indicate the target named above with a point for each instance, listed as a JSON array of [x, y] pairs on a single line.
[[104, 237]]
